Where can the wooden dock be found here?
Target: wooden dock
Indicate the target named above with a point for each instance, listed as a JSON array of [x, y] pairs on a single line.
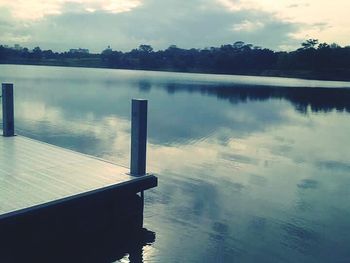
[[50, 195], [34, 174]]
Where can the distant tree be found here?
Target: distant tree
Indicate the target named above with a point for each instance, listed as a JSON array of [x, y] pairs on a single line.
[[48, 54], [3, 52], [146, 48], [106, 55], [247, 47], [37, 53], [107, 51], [321, 59], [310, 43], [334, 46], [172, 47], [238, 44], [323, 46]]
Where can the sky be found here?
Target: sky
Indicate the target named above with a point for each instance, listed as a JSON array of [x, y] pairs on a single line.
[[125, 24]]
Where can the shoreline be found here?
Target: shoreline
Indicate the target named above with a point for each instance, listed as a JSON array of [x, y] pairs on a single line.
[[335, 75]]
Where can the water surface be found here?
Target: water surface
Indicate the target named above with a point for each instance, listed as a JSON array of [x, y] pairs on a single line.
[[251, 169]]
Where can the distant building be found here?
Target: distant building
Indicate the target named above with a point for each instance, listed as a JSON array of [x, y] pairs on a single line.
[[17, 47], [79, 51]]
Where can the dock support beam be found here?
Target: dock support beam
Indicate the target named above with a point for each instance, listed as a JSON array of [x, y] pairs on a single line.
[[8, 110], [138, 137]]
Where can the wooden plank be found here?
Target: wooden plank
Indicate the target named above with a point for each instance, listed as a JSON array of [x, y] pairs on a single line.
[[35, 174]]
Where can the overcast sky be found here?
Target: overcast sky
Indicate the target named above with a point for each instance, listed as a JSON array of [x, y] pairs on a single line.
[[125, 24]]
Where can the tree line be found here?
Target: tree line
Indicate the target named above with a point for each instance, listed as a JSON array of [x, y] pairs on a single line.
[[312, 59]]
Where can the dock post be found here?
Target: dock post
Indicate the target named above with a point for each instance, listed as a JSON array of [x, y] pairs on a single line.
[[8, 110], [138, 137], [138, 142]]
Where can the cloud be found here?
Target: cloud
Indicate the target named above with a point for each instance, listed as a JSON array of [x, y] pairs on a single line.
[[247, 25], [307, 13], [38, 9], [238, 5], [196, 23], [63, 24]]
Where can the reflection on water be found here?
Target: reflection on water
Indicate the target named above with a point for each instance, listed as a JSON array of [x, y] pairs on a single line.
[[97, 247], [246, 173]]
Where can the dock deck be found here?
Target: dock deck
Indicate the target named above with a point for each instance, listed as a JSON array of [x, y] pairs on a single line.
[[60, 200], [34, 175]]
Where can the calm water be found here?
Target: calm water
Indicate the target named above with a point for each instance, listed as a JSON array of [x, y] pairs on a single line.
[[250, 169]]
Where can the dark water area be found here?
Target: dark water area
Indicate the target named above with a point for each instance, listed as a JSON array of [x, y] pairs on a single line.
[[250, 169]]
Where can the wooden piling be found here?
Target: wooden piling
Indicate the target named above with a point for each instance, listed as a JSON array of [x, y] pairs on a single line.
[[138, 137], [8, 110]]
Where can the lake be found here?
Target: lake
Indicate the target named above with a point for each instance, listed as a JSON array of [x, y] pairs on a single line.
[[250, 169]]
